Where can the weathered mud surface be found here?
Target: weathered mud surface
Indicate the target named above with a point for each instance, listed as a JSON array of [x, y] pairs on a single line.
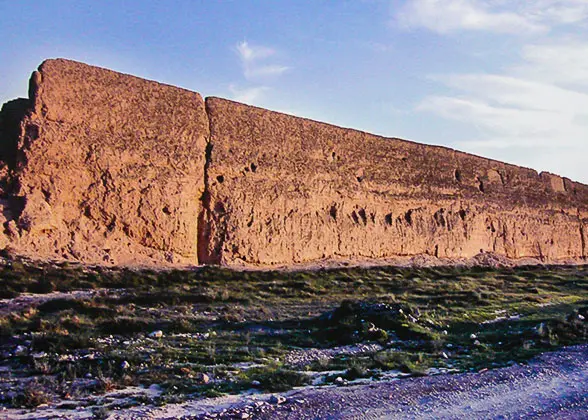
[[108, 168], [287, 190], [102, 167]]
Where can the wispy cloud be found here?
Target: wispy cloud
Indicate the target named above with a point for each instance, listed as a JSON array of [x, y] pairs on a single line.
[[446, 16], [259, 71], [254, 61], [534, 111], [498, 16], [527, 113], [248, 95]]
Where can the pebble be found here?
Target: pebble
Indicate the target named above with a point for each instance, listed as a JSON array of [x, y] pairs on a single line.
[[202, 378], [277, 399], [156, 334]]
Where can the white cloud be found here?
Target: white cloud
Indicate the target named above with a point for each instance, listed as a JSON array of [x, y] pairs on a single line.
[[259, 71], [564, 63], [498, 16], [444, 16], [250, 95], [254, 61], [534, 113], [249, 53]]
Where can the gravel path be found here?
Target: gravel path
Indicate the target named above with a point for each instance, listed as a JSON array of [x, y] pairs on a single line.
[[554, 385]]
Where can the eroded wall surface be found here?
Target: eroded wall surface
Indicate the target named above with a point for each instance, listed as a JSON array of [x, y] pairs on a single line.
[[285, 190], [102, 167], [109, 168]]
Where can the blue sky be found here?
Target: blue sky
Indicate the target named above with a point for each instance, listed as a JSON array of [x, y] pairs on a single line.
[[501, 79]]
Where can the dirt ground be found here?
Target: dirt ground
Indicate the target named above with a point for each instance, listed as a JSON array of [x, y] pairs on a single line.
[[553, 385]]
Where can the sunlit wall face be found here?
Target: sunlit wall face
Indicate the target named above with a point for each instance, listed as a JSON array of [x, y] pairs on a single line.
[[507, 80]]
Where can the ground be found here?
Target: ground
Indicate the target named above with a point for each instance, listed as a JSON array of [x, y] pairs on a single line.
[[83, 341]]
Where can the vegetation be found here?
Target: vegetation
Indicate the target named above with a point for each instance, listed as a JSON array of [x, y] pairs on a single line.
[[91, 331]]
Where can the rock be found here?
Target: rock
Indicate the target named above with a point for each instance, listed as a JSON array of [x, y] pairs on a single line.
[[202, 378], [444, 355], [445, 332], [156, 334], [477, 343], [473, 336], [277, 399], [125, 365], [255, 383], [245, 415], [581, 317], [339, 380]]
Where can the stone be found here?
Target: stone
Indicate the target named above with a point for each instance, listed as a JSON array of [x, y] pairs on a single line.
[[202, 378], [277, 399], [156, 334], [125, 365]]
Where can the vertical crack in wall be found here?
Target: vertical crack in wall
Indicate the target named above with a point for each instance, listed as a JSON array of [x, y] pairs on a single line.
[[203, 244]]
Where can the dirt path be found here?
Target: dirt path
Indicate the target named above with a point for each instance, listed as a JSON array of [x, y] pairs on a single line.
[[554, 385]]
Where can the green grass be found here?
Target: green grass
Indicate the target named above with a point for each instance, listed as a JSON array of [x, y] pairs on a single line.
[[214, 320]]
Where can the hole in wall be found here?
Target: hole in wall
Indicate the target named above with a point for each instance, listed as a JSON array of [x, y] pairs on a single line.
[[363, 216], [481, 185], [220, 179], [166, 210], [219, 208], [457, 175], [333, 212], [439, 217], [253, 167], [388, 219], [408, 217]]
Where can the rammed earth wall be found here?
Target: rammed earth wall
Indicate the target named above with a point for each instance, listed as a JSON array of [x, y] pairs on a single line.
[[103, 167]]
